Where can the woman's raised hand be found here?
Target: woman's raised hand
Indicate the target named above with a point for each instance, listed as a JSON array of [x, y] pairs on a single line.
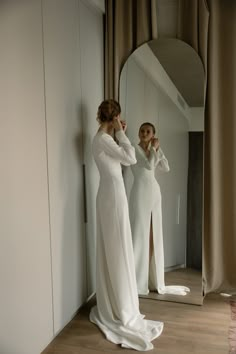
[[124, 125], [155, 143], [119, 124]]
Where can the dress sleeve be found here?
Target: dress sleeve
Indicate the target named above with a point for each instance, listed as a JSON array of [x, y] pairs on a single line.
[[124, 152], [162, 163], [157, 159]]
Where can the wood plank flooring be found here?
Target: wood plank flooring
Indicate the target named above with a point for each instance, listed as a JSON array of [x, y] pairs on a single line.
[[188, 329], [183, 276]]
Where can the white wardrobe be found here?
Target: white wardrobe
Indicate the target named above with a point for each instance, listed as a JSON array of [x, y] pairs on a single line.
[[51, 70]]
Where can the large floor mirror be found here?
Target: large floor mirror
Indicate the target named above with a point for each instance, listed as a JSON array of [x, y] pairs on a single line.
[[163, 83]]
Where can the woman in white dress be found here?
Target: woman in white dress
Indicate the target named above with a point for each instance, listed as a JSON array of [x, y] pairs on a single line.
[[117, 310], [146, 215]]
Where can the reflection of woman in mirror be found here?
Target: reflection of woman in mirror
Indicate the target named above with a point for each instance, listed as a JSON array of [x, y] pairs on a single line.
[[146, 215], [117, 311]]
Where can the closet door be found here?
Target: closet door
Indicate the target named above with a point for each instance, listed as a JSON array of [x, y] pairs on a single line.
[[91, 49], [25, 270], [65, 156]]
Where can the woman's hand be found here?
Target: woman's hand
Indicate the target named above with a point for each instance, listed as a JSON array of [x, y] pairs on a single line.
[[155, 143], [119, 124], [124, 125]]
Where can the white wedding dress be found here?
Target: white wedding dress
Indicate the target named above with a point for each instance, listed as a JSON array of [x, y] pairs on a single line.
[[144, 206], [117, 310]]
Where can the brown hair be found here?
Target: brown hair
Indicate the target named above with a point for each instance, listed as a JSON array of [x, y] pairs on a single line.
[[150, 124], [107, 110]]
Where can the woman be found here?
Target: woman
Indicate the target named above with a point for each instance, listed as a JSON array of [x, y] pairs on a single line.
[[146, 215], [117, 311]]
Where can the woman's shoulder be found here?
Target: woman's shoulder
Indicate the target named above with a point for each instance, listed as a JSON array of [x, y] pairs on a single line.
[[101, 137]]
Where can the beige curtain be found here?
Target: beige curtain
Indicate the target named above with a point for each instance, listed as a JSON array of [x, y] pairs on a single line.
[[128, 24], [216, 45], [220, 150], [193, 20], [210, 28]]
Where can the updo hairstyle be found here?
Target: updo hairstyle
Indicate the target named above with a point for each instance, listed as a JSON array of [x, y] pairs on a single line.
[[107, 110]]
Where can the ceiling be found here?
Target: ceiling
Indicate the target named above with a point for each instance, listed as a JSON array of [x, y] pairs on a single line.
[[183, 66]]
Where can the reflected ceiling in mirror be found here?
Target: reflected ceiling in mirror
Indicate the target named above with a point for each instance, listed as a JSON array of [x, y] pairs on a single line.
[[183, 66]]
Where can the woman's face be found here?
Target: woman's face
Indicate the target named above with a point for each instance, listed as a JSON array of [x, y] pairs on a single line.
[[146, 133]]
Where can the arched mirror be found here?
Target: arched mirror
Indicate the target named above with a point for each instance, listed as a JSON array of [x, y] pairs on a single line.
[[163, 83]]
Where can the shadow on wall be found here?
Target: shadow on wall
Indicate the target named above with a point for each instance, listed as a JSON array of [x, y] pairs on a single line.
[[90, 178], [73, 282]]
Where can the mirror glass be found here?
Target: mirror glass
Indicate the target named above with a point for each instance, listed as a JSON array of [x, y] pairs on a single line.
[[163, 82]]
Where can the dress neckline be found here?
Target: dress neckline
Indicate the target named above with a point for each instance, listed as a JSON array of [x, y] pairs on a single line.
[[143, 151]]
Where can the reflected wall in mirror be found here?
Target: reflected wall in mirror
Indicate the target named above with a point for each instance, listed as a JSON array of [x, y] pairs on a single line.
[[162, 82]]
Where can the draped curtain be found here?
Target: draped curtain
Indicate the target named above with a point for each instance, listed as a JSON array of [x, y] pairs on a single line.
[[193, 20], [209, 26], [220, 150], [216, 45], [128, 24]]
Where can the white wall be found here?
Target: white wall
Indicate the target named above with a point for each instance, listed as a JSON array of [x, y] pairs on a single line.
[[25, 264], [98, 4], [173, 135], [64, 130], [91, 47], [196, 119], [44, 96], [145, 100]]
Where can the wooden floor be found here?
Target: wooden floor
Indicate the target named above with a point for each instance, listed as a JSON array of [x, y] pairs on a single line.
[[188, 329], [183, 276]]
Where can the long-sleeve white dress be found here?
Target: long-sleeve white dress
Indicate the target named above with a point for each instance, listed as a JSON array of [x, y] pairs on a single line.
[[144, 206], [117, 310]]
